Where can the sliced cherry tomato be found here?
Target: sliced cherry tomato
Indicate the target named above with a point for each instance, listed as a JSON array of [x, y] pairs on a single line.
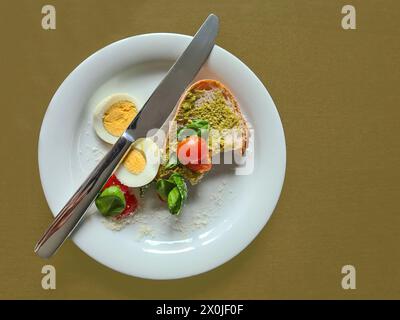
[[131, 206], [192, 150], [199, 167], [131, 200], [113, 181]]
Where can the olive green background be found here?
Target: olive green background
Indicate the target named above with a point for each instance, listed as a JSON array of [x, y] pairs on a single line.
[[336, 91]]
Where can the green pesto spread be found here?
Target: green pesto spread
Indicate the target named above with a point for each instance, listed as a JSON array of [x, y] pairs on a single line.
[[218, 114]]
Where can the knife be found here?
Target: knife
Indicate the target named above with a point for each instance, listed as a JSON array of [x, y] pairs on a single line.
[[152, 116]]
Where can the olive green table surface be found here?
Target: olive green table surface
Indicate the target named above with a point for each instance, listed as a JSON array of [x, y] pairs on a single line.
[[336, 91]]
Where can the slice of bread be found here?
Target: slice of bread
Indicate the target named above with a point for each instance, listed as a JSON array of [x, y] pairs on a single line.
[[212, 101]]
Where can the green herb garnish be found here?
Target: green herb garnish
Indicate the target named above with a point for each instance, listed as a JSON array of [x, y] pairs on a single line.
[[172, 162], [111, 201], [174, 201], [180, 184], [174, 191], [164, 187], [197, 127]]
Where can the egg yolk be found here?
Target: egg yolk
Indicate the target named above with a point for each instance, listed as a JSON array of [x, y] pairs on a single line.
[[118, 117], [135, 161]]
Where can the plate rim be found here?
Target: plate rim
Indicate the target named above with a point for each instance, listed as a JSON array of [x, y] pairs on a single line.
[[280, 183]]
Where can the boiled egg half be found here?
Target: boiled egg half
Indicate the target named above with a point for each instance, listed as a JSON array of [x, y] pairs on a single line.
[[113, 115], [140, 165]]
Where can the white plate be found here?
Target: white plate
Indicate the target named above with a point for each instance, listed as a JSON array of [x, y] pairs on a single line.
[[223, 214]]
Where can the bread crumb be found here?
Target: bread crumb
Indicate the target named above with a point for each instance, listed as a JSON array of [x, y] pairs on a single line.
[[154, 219], [146, 231]]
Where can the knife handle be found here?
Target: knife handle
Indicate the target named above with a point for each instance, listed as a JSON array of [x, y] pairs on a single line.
[[72, 213]]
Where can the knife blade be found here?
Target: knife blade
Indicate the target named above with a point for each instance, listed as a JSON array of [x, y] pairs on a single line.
[[152, 116]]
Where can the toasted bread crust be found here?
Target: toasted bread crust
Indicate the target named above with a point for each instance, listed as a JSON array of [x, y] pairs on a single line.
[[209, 84]]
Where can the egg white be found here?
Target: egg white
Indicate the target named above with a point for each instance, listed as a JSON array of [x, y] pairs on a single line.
[[99, 111], [152, 155]]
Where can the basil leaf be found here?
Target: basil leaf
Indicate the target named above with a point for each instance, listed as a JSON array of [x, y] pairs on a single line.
[[180, 183], [174, 191], [196, 127], [172, 162], [111, 201], [199, 124], [174, 201], [185, 132], [163, 188]]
